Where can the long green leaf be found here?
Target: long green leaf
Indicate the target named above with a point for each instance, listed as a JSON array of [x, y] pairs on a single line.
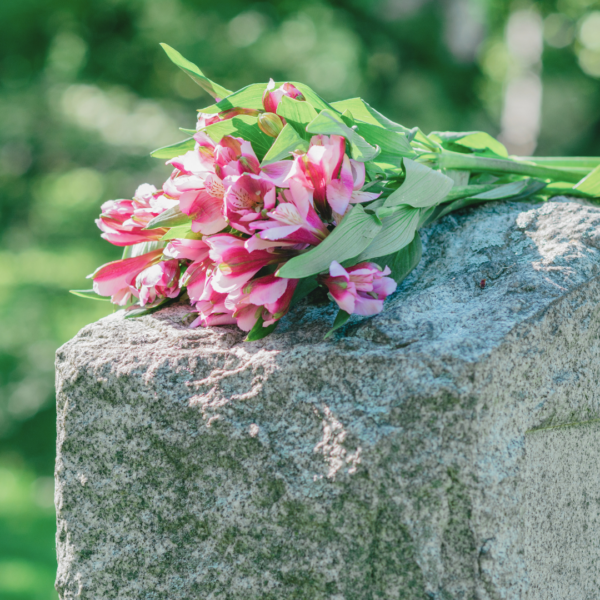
[[397, 231], [480, 141], [329, 123], [89, 294], [312, 97], [401, 263], [242, 126], [174, 149], [142, 248], [363, 112], [298, 114], [390, 142], [214, 89], [590, 184], [422, 187], [181, 232], [287, 142], [346, 241], [172, 217]]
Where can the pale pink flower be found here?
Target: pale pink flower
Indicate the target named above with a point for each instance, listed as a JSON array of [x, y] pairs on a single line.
[[116, 278], [294, 219], [360, 289], [194, 250], [160, 280], [122, 222], [268, 297]]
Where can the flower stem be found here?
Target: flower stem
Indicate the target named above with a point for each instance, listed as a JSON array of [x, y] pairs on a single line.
[[470, 162]]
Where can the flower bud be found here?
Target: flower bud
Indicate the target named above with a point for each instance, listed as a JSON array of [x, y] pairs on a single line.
[[270, 123], [234, 112]]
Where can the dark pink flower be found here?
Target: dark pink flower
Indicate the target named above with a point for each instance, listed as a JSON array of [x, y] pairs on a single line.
[[247, 199], [236, 265]]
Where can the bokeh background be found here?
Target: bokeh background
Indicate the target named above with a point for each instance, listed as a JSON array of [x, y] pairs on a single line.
[[86, 93]]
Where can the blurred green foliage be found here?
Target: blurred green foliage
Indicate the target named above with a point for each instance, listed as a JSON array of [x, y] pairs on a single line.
[[86, 93]]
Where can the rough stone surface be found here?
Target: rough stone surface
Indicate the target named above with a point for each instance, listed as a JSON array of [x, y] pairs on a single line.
[[418, 454]]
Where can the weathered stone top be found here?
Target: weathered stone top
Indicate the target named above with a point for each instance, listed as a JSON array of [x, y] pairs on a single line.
[[484, 272]]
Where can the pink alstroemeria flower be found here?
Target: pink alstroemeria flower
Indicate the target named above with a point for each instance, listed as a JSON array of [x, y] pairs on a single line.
[[194, 278], [272, 97], [194, 250], [268, 297], [335, 178], [116, 278], [210, 305], [122, 221], [160, 280], [235, 264], [246, 198], [294, 219], [360, 289]]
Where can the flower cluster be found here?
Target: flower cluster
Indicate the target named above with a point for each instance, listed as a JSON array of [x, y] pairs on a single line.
[[245, 221], [279, 192]]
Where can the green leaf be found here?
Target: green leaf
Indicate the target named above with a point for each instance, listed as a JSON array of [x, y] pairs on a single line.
[[181, 232], [500, 192], [303, 289], [398, 230], [174, 149], [480, 141], [251, 97], [590, 184], [329, 123], [214, 89], [286, 142], [172, 217], [132, 313], [298, 113], [390, 142], [422, 187], [401, 263], [311, 96], [346, 241], [477, 141], [248, 97], [460, 178], [363, 112], [258, 332], [90, 294], [142, 248], [242, 126], [340, 320]]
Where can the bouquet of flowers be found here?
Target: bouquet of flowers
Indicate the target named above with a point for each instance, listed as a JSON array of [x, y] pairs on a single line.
[[278, 192]]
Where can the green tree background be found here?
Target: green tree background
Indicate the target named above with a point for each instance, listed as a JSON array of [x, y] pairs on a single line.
[[86, 93]]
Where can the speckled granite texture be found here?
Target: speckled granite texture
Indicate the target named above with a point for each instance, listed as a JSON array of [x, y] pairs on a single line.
[[390, 462]]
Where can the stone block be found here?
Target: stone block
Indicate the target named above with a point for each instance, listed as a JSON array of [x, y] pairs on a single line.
[[445, 449]]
